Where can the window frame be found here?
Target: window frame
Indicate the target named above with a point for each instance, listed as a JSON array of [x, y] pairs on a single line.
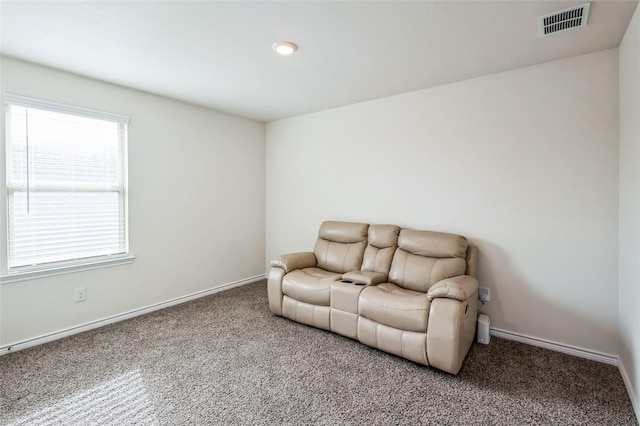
[[20, 273]]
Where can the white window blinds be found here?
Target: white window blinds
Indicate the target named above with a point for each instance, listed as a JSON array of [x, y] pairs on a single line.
[[66, 183]]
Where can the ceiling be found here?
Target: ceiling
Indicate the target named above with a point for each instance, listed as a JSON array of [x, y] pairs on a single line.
[[218, 53]]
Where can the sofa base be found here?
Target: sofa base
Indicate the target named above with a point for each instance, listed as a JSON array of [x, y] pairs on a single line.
[[407, 344], [305, 313], [452, 327], [344, 323], [344, 308], [274, 290]]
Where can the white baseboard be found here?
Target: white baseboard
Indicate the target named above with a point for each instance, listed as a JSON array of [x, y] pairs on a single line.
[[124, 316], [558, 347], [629, 385]]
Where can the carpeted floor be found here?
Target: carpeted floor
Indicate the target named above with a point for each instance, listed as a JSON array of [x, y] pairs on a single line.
[[225, 359]]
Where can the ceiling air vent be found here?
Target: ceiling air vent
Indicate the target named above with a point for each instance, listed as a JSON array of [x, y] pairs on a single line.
[[563, 20]]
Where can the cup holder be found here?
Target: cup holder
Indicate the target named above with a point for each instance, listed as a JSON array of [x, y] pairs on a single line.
[[351, 282]]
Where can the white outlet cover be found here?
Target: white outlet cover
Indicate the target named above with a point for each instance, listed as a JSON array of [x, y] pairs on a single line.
[[81, 294], [484, 294]]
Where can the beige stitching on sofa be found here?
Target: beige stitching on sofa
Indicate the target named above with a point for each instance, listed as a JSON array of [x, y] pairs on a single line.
[[326, 250], [344, 259], [431, 273], [404, 266]]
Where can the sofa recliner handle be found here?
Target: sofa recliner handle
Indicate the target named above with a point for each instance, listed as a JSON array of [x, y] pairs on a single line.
[[292, 261], [460, 288]]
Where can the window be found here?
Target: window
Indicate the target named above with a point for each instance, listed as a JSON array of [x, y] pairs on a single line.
[[66, 185]]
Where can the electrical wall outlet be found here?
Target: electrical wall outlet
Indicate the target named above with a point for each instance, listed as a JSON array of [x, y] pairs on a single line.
[[484, 294], [81, 294]]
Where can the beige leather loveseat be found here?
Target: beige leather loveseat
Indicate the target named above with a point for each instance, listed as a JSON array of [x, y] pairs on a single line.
[[407, 292]]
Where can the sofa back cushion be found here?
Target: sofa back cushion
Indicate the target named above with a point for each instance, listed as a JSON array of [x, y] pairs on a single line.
[[340, 246], [382, 242], [424, 257]]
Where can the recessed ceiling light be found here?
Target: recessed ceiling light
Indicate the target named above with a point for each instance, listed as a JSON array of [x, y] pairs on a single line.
[[284, 47]]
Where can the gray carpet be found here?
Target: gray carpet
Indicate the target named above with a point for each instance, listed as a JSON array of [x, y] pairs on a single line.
[[225, 359]]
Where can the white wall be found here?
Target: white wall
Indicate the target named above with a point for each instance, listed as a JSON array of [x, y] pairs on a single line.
[[630, 207], [196, 180], [523, 163]]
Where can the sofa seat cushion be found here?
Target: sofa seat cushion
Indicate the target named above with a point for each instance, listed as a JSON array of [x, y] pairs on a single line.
[[310, 285], [395, 306]]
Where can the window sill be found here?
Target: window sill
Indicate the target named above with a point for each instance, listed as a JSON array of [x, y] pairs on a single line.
[[65, 269]]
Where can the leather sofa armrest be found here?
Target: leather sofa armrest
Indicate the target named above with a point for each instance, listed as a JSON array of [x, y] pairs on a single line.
[[365, 277], [291, 261], [460, 288]]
